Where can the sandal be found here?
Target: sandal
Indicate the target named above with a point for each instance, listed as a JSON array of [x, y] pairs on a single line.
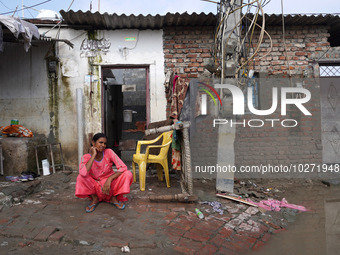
[[120, 205], [91, 207]]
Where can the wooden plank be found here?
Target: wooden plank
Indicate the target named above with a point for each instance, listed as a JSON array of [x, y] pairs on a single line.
[[238, 199]]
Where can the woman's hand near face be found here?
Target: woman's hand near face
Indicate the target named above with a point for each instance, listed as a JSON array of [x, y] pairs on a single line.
[[93, 151], [107, 186]]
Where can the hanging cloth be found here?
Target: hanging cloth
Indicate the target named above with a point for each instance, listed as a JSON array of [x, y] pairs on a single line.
[[176, 151], [180, 87], [179, 90]]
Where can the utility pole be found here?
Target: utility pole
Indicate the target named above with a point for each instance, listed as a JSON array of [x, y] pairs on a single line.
[[98, 5], [228, 34]]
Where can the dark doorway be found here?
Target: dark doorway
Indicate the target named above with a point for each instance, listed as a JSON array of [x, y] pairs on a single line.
[[125, 108]]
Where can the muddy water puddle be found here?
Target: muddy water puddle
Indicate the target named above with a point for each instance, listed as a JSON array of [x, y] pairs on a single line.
[[314, 232]]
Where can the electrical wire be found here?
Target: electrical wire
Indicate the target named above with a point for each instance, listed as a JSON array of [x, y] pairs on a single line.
[[63, 45], [70, 6], [16, 8], [329, 47], [259, 42], [24, 8], [265, 3], [224, 20], [284, 43], [32, 8], [270, 39], [59, 22], [210, 1], [252, 26], [30, 12], [259, 9], [5, 6], [253, 21]]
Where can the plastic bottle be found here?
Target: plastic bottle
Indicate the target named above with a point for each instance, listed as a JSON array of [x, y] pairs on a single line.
[[199, 213]]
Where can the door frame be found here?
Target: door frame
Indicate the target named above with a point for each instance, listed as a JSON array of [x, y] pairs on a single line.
[[147, 88]]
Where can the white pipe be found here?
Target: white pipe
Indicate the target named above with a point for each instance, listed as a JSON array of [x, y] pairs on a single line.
[[80, 124]]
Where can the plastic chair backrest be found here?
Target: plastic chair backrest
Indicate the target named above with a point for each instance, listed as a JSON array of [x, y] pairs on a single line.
[[167, 137]]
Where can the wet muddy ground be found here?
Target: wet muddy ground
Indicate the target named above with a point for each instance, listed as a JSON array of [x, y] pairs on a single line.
[[46, 218], [315, 232]]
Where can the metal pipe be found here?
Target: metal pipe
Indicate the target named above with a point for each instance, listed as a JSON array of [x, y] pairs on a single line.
[[186, 198], [80, 123], [179, 125]]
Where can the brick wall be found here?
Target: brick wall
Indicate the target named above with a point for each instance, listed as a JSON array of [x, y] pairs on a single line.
[[279, 145], [303, 43], [186, 49]]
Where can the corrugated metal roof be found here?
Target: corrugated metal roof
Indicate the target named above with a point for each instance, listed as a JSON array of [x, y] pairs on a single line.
[[114, 21], [300, 19], [329, 20], [89, 20]]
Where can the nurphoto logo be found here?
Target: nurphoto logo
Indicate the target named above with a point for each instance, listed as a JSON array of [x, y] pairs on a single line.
[[238, 101]]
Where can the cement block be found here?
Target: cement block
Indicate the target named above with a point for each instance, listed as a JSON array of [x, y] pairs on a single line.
[[19, 154]]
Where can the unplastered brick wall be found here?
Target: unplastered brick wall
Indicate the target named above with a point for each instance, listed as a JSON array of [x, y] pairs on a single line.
[[275, 143], [332, 54], [187, 48], [297, 62], [186, 51], [292, 56]]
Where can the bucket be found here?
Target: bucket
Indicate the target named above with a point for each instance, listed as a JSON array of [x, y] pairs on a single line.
[[14, 122], [127, 115], [46, 167]]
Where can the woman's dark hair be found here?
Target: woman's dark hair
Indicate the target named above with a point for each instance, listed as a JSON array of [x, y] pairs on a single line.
[[97, 136]]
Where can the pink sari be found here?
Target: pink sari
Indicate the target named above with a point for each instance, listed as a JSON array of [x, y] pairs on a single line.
[[89, 183]]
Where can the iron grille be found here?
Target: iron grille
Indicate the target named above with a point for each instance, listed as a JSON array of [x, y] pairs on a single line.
[[327, 71]]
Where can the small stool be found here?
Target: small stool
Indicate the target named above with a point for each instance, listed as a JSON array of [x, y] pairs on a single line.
[[49, 150]]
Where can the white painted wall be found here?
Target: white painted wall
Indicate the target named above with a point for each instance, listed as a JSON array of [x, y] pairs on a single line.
[[72, 70], [146, 50], [24, 93]]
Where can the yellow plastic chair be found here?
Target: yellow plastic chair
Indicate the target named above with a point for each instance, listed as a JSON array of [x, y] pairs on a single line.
[[161, 159]]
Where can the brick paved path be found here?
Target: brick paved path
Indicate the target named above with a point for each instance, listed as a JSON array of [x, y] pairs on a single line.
[[53, 221]]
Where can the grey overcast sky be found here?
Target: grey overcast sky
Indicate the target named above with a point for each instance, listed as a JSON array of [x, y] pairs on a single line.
[[154, 7]]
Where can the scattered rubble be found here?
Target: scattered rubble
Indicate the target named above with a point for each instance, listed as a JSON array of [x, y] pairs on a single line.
[[227, 226]]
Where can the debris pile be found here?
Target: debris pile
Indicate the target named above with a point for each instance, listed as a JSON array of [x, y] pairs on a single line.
[[250, 189]]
